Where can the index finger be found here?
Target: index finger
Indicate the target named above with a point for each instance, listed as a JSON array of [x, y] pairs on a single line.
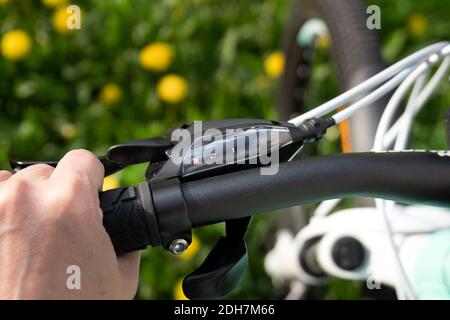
[[83, 163]]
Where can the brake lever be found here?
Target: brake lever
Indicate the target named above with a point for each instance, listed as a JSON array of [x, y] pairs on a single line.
[[111, 167], [139, 151], [224, 267], [118, 156]]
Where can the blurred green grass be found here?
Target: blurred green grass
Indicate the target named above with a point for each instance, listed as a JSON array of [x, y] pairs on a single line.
[[50, 101]]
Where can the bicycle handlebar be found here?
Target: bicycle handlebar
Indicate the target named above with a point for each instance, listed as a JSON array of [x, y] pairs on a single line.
[[408, 177]]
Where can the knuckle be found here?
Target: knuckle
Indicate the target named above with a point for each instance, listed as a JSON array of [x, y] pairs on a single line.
[[87, 159], [33, 172], [5, 173], [85, 156], [79, 153], [77, 183], [68, 195], [60, 205], [41, 167], [60, 201], [71, 195], [17, 188], [12, 195]]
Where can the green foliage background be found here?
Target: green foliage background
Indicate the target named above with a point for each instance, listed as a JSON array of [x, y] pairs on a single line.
[[220, 47]]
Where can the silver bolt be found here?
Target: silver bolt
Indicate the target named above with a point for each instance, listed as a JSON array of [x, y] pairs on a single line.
[[178, 246]]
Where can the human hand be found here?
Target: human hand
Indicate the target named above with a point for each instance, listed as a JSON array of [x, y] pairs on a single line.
[[50, 219]]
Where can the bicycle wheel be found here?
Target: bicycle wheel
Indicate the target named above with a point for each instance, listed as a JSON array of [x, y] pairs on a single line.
[[355, 50], [356, 53]]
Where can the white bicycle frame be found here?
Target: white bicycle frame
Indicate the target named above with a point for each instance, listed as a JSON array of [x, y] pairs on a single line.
[[390, 233], [412, 225]]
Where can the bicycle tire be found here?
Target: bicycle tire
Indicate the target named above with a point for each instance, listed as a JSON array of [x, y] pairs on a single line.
[[355, 49]]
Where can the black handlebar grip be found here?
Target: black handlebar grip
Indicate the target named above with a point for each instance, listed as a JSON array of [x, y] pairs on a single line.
[[129, 218], [406, 177]]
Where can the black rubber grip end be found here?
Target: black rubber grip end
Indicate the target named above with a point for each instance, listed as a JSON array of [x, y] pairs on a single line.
[[125, 219]]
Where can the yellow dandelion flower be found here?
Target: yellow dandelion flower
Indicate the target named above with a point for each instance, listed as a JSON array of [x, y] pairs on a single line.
[[178, 293], [417, 24], [110, 94], [156, 56], [61, 18], [172, 88], [15, 44], [53, 3], [192, 250], [110, 182], [2, 2], [274, 64], [68, 131]]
